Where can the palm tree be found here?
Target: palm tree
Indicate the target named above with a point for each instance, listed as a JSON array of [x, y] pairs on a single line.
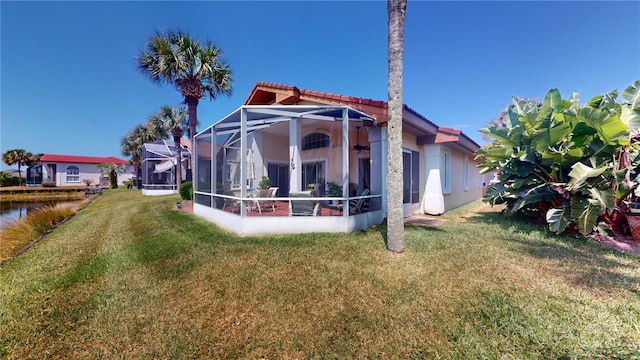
[[156, 127], [196, 69], [112, 170], [19, 157], [395, 219], [174, 121], [132, 142]]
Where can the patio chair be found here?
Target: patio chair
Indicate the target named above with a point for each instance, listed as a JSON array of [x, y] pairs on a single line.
[[264, 193], [235, 203], [356, 206], [272, 195], [303, 207]]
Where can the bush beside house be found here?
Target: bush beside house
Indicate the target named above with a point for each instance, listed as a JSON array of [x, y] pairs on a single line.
[[573, 166]]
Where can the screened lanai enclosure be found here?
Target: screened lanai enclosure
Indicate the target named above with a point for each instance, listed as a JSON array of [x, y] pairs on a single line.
[[277, 169], [159, 167]]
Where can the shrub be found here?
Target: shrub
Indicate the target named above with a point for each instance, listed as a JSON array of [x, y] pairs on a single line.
[[186, 190], [334, 189], [569, 164], [7, 180], [87, 182], [49, 184], [20, 233]]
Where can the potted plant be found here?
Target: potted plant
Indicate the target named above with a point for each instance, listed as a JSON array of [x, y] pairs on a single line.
[[334, 190], [264, 183]]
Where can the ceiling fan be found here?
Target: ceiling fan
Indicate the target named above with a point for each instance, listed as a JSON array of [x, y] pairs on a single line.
[[357, 146]]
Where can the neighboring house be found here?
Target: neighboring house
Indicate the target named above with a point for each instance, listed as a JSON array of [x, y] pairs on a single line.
[[73, 170], [159, 166], [303, 139]]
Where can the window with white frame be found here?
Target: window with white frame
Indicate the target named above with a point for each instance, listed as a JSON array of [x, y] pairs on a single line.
[[73, 174], [465, 173], [445, 171], [315, 141]]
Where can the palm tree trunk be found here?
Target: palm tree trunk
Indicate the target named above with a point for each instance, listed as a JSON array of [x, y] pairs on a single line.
[[19, 174], [176, 140], [192, 105], [395, 218]]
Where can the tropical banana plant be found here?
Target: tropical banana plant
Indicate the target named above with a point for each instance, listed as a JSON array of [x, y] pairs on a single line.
[[572, 165]]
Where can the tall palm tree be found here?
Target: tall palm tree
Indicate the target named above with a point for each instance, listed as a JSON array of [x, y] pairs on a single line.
[[395, 219], [196, 69], [131, 144], [19, 157], [156, 127], [112, 170], [174, 121]]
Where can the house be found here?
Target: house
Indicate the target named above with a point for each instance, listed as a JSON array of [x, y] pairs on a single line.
[[73, 170], [158, 166], [334, 146]]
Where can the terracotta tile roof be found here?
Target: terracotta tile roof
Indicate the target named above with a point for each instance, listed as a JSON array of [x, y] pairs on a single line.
[[334, 97], [449, 130], [81, 159], [265, 93]]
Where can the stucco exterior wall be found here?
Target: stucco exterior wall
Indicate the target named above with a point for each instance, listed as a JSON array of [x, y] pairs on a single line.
[[87, 171], [276, 149], [461, 194]]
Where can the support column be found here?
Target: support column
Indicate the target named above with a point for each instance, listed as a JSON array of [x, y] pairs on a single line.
[[377, 181], [384, 153], [345, 160], [295, 160], [243, 160]]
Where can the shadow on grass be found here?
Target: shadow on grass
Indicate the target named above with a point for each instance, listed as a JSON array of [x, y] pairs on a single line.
[[582, 261], [382, 230]]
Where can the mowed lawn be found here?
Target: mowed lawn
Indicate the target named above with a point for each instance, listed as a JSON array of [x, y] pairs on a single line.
[[133, 277]]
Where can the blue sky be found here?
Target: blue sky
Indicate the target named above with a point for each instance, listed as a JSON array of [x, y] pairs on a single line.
[[69, 83]]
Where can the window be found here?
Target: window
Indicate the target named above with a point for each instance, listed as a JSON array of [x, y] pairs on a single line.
[[315, 141], [73, 174], [445, 172]]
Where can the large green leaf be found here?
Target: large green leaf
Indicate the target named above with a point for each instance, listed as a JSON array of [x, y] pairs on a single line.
[[585, 212], [632, 95], [550, 137], [575, 99], [614, 131], [631, 112], [604, 197], [595, 101], [498, 194], [557, 219], [580, 173], [532, 196], [493, 152], [551, 100], [500, 134]]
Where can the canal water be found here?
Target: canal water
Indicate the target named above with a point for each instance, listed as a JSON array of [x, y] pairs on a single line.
[[11, 211]]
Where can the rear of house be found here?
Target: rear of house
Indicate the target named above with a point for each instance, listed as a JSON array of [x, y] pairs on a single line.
[[326, 148], [440, 172], [73, 170]]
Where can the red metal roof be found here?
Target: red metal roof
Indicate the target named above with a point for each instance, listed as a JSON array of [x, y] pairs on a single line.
[[82, 159]]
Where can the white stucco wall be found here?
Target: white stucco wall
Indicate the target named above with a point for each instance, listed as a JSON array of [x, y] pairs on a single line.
[[87, 171], [460, 194]]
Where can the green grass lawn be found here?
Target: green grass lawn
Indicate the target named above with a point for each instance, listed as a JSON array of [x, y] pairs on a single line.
[[132, 277]]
